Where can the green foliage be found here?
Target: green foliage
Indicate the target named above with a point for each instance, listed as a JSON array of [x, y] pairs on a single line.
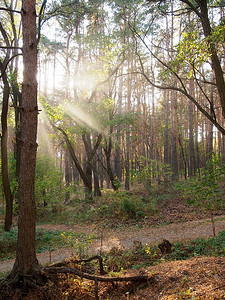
[[55, 114], [206, 190], [49, 187], [209, 247], [45, 240], [130, 205], [78, 242], [119, 203], [192, 49], [7, 243], [152, 170], [147, 255]]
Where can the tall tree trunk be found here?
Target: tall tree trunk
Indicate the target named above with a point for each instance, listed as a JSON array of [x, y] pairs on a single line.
[[97, 191], [166, 139], [127, 166], [209, 133], [67, 91], [4, 154], [192, 163], [108, 151], [118, 168], [17, 102], [68, 174], [174, 154], [26, 261], [100, 168]]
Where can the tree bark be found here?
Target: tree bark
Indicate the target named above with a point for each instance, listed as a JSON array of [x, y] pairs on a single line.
[[4, 155], [118, 168], [108, 151], [174, 154], [192, 161], [97, 191], [26, 261]]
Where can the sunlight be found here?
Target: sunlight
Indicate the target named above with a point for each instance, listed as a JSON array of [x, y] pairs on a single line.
[[45, 144], [82, 117], [50, 78], [86, 81]]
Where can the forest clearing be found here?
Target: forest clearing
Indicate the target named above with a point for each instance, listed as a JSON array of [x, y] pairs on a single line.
[[129, 246], [112, 150]]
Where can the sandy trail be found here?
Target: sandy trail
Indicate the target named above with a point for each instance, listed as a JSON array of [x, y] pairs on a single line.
[[124, 237]]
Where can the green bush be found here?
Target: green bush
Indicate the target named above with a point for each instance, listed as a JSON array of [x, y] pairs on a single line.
[[50, 189], [206, 190], [209, 247], [152, 170], [48, 181], [131, 206]]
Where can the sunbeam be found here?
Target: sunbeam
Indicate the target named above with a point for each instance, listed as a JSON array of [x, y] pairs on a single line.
[[83, 117]]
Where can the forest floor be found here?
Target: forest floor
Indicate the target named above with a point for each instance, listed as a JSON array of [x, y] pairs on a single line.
[[124, 237], [196, 278]]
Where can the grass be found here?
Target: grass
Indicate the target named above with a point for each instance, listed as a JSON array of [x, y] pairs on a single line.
[[201, 247], [46, 240]]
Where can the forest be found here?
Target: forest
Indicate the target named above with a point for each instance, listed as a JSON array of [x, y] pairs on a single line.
[[112, 149]]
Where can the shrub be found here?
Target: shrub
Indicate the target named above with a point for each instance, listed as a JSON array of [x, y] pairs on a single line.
[[50, 190], [206, 191]]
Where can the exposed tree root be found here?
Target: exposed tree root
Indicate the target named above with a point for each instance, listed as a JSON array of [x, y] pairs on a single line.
[[21, 284], [67, 270], [52, 270], [98, 257]]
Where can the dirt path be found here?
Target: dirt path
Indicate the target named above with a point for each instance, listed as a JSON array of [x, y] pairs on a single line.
[[124, 237]]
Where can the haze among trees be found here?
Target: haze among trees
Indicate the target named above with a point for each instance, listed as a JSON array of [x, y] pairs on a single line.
[[126, 93]]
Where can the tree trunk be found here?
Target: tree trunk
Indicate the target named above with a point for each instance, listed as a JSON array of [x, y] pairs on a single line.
[[108, 151], [204, 18], [17, 102], [68, 174], [166, 140], [4, 155], [192, 162], [97, 191], [174, 158], [26, 261], [100, 168], [118, 168], [127, 166]]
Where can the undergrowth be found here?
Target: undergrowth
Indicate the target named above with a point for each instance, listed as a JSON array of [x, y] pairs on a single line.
[[141, 256], [46, 240], [122, 205]]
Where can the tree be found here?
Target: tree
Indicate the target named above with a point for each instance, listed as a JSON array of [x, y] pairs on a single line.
[[194, 50], [205, 191], [201, 9], [4, 154], [26, 263], [4, 63], [4, 135]]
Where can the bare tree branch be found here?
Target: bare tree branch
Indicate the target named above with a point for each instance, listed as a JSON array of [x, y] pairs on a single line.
[[10, 10], [185, 93], [104, 81], [10, 47], [6, 64], [40, 18]]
